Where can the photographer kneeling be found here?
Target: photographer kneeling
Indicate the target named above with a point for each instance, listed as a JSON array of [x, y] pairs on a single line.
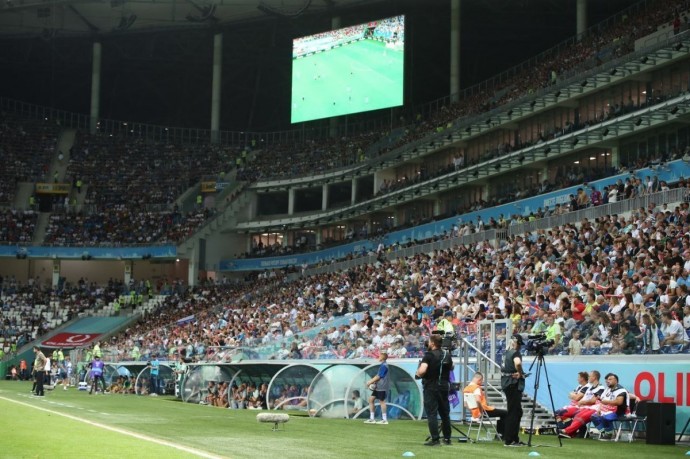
[[435, 371]]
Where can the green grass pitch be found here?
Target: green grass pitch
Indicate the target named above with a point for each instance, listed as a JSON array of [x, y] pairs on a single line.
[[360, 76], [66, 424]]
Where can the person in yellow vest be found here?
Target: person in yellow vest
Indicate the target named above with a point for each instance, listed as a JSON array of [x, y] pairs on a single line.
[[136, 353], [97, 350], [116, 308], [446, 324], [475, 387], [199, 200]]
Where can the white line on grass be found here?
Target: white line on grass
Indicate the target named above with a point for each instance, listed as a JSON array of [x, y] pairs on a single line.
[[186, 449]]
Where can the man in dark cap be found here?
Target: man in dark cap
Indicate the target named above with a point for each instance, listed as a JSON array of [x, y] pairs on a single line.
[[513, 383]]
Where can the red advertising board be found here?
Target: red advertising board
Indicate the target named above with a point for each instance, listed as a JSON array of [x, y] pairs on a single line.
[[70, 339]]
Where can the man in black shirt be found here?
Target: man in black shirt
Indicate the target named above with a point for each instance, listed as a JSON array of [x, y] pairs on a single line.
[[435, 371], [513, 383]]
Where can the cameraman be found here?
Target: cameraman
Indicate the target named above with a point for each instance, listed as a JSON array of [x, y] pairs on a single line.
[[435, 371], [513, 383]]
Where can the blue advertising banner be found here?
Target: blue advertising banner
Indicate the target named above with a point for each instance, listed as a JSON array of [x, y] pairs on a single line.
[[104, 253], [311, 258]]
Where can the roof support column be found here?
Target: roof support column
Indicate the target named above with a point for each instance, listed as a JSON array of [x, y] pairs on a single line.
[[215, 86], [581, 19], [95, 87], [454, 50]]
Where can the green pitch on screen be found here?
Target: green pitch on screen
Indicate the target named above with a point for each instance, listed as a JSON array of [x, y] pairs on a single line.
[[358, 77]]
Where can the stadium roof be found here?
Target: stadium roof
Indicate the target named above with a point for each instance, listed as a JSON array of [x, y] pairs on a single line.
[[97, 17]]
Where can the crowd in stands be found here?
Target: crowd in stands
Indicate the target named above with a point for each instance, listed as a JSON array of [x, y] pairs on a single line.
[[29, 310], [310, 157], [131, 186], [140, 174], [138, 180], [565, 177], [618, 284], [121, 225], [26, 148], [615, 285], [17, 226]]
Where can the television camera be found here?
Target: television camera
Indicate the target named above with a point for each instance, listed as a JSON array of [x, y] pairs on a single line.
[[538, 343], [449, 340]]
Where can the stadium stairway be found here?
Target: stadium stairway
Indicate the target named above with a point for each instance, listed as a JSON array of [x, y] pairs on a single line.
[[542, 416], [64, 144], [225, 217], [41, 228], [21, 199], [187, 200]]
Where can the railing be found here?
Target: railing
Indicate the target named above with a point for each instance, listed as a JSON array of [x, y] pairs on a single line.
[[482, 363], [628, 205], [590, 213], [443, 244]]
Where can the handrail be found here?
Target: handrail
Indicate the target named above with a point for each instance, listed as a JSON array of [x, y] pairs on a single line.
[[465, 346], [484, 356]]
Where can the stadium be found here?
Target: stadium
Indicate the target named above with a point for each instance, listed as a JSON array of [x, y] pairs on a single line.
[[226, 228]]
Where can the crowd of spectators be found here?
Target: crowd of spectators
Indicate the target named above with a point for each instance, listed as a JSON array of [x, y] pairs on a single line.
[[120, 225], [615, 285], [17, 226], [139, 180], [566, 176], [26, 148], [310, 157], [142, 175], [608, 285], [29, 310]]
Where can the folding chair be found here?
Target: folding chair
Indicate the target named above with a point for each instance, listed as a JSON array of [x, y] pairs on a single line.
[[638, 416], [482, 422]]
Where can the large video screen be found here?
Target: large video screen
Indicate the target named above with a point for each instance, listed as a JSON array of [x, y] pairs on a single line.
[[349, 70]]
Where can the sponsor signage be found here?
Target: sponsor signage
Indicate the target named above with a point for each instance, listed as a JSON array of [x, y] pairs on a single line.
[[70, 339], [208, 187], [52, 188]]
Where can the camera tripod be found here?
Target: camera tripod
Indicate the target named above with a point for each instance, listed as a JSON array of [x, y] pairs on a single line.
[[461, 437], [541, 364]]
